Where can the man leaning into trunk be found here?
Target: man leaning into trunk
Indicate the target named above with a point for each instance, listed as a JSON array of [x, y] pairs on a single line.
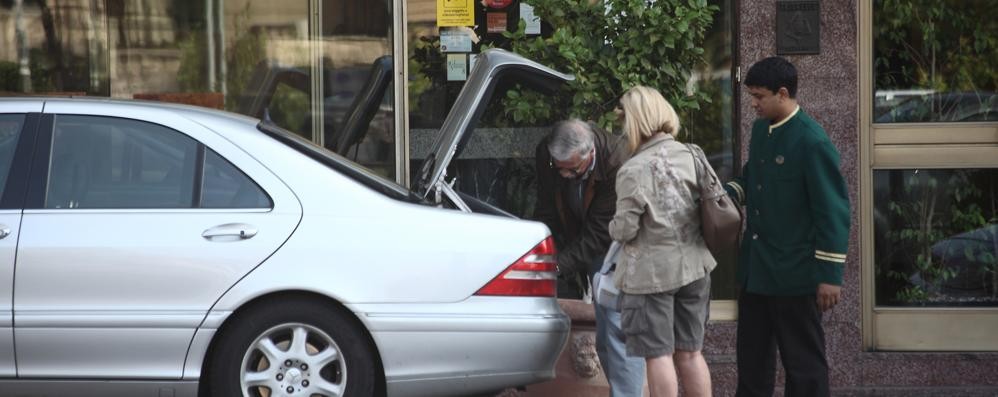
[[576, 176]]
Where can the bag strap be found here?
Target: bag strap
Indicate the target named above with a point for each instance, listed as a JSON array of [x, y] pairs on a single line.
[[610, 260], [696, 166], [700, 162]]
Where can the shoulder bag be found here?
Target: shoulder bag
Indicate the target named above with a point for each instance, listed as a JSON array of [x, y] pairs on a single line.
[[720, 218]]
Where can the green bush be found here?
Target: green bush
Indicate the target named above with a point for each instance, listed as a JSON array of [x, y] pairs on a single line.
[[611, 46]]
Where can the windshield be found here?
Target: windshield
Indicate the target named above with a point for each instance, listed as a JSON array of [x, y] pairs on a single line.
[[339, 163]]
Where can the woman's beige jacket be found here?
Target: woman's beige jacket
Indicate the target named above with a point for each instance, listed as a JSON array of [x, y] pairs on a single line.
[[658, 221]]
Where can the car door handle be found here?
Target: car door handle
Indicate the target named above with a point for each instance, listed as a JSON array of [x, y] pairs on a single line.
[[230, 231], [4, 231]]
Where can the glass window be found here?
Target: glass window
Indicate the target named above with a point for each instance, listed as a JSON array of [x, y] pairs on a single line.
[[10, 130], [930, 219], [53, 47], [224, 186], [936, 237], [711, 127], [100, 162], [934, 61], [221, 54], [320, 68], [358, 108]]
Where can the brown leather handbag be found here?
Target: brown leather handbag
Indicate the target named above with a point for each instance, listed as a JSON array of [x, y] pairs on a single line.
[[720, 218]]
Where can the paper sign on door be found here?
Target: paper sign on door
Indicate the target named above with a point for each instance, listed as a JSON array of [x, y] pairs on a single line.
[[457, 67], [455, 13]]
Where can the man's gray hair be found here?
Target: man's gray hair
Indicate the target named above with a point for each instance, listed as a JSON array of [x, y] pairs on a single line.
[[570, 137]]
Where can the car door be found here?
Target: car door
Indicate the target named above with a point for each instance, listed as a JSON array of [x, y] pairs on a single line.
[[133, 228], [17, 122]]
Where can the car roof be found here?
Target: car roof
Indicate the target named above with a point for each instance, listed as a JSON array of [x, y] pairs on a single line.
[[186, 110]]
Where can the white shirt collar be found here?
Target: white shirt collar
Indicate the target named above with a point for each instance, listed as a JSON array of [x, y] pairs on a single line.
[[784, 121]]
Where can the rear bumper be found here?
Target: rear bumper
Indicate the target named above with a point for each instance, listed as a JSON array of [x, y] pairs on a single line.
[[445, 353]]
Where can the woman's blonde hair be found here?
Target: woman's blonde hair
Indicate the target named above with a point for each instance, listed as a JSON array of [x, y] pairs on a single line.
[[646, 112]]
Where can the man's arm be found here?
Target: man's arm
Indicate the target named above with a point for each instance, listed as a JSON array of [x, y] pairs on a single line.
[[594, 239], [736, 187], [829, 206], [573, 256]]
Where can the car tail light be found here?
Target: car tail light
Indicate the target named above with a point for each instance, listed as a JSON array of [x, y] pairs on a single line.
[[535, 274]]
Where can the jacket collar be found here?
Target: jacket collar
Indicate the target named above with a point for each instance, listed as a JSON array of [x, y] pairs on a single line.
[[783, 122], [654, 141], [601, 141]]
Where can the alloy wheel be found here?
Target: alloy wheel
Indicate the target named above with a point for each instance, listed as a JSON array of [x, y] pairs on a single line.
[[293, 359]]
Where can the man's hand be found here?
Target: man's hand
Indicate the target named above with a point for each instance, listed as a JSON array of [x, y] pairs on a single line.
[[828, 296]]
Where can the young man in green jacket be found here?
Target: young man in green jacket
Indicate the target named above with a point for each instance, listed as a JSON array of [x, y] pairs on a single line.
[[795, 243]]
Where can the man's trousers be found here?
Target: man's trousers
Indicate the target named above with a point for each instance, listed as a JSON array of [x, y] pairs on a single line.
[[792, 324]]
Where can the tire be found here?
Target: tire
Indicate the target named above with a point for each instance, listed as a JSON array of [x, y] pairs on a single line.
[[253, 353]]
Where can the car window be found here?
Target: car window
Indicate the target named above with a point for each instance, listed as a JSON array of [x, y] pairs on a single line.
[[225, 186], [10, 130], [104, 162]]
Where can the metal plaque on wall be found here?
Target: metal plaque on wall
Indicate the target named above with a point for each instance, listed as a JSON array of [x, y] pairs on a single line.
[[798, 27]]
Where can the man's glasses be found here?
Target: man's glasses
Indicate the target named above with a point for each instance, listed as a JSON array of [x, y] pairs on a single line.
[[576, 170]]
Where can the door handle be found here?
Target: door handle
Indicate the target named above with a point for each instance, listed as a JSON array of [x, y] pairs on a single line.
[[230, 231], [4, 231]]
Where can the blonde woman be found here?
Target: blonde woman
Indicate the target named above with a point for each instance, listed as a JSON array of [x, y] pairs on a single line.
[[664, 269]]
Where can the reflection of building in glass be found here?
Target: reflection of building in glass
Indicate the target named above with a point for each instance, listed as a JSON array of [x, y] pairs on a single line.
[[422, 17], [149, 46], [206, 53], [56, 42]]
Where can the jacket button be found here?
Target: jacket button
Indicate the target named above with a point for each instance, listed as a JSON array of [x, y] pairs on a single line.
[[762, 161], [755, 236], [758, 187], [757, 212]]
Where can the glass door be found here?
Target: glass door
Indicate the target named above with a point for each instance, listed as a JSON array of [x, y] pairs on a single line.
[[358, 98]]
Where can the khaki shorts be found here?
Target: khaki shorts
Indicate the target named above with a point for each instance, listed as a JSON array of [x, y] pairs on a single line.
[[655, 325]]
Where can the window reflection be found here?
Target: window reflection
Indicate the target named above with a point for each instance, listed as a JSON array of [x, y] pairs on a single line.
[[711, 126], [934, 61], [53, 47], [257, 57], [356, 115], [10, 131], [225, 186], [102, 162], [936, 237]]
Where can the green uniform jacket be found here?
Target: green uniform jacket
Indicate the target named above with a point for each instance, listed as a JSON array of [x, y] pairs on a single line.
[[795, 197]]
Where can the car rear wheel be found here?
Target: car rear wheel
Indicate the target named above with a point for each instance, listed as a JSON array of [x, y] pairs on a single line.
[[296, 348]]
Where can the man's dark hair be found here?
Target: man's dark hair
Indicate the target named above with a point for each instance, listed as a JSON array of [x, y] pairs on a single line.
[[773, 73]]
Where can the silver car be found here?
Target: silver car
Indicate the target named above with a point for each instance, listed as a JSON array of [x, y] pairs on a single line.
[[159, 250]]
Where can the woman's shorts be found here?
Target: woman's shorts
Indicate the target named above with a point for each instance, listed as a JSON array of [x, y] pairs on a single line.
[[657, 324]]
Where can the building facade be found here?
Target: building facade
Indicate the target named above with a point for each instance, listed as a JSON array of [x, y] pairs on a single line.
[[905, 89]]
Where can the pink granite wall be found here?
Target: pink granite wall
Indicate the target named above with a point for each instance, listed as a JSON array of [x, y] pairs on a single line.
[[828, 90]]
